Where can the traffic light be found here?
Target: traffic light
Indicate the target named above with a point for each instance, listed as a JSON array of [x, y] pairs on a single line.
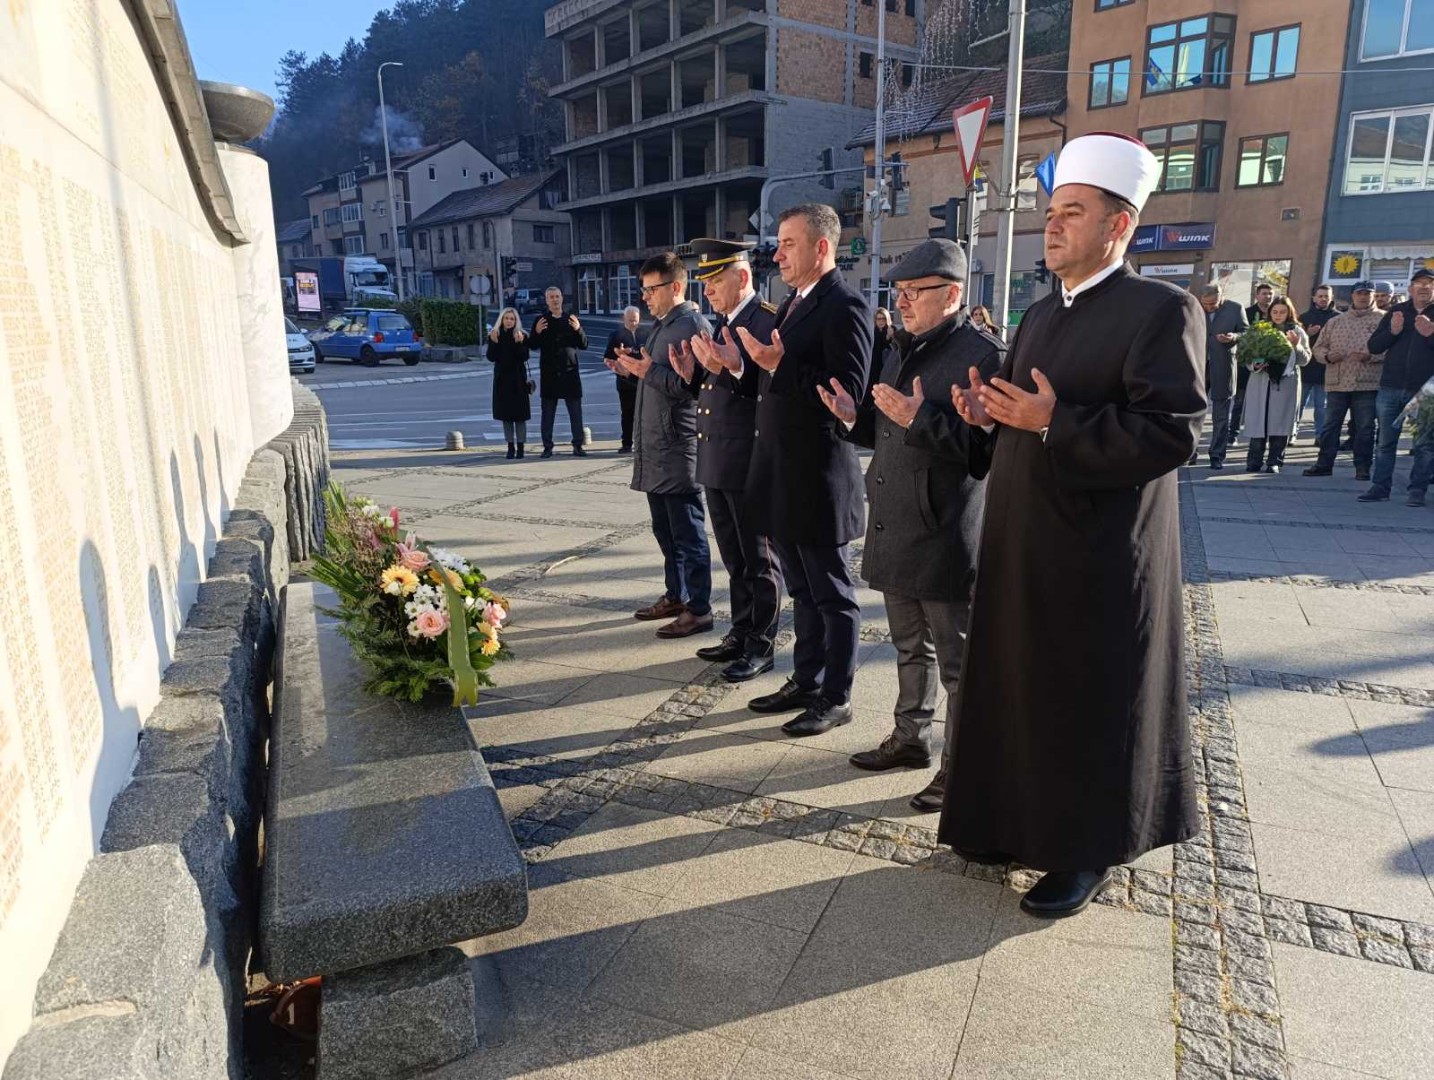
[[509, 268], [828, 163], [950, 214], [762, 262], [898, 173], [1043, 272]]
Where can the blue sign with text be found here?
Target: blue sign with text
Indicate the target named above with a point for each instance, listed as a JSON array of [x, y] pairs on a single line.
[[1192, 237], [1147, 238]]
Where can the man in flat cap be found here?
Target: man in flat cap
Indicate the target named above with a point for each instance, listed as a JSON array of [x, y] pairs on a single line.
[[924, 508], [726, 426], [1072, 751]]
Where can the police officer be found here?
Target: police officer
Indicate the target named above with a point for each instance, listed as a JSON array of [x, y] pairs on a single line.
[[726, 422]]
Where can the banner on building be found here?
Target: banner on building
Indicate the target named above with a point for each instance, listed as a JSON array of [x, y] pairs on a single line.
[[1346, 264]]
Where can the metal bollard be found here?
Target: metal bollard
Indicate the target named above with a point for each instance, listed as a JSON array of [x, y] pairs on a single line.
[[454, 441]]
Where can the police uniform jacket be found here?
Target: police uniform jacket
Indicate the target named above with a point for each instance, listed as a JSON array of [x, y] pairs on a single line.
[[804, 486], [925, 508], [727, 406]]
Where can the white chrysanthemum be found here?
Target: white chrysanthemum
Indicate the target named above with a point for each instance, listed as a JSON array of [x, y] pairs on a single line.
[[450, 559]]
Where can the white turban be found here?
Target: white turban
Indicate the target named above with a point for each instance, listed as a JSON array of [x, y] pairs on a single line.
[[1116, 163]]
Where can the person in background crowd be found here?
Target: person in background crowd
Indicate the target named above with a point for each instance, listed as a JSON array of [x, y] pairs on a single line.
[[1224, 323], [1406, 337], [1073, 750], [1259, 311], [726, 420], [1384, 295], [805, 487], [664, 463], [1312, 379], [981, 320], [508, 353], [1351, 381], [625, 337], [559, 338], [885, 331], [1271, 397], [925, 509]]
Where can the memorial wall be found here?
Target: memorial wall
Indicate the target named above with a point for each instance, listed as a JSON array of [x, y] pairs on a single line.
[[135, 384]]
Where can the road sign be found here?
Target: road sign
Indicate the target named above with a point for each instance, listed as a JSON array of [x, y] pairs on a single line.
[[479, 285], [523, 266], [970, 123], [858, 245], [1046, 174]]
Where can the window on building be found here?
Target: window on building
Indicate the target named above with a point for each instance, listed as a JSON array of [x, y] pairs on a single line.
[[353, 245], [423, 241], [1262, 160], [1189, 54], [315, 221], [442, 243], [1273, 53], [542, 234], [472, 237], [1397, 28], [487, 234], [485, 177], [380, 208], [383, 241], [353, 211], [433, 172], [346, 181], [332, 215], [863, 65], [455, 238], [402, 237], [295, 250], [1389, 151], [908, 75], [465, 172], [1110, 83], [1189, 154], [1102, 5]]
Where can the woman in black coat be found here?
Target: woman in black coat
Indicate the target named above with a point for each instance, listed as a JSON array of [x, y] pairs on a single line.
[[508, 353]]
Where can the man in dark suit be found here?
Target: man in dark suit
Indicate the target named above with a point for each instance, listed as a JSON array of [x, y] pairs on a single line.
[[726, 419], [625, 338], [559, 337], [1224, 323], [926, 507], [804, 487]]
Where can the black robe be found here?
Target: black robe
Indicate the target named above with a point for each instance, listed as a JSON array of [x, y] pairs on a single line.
[[1072, 748]]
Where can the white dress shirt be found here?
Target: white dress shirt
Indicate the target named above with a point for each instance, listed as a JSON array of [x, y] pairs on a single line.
[[1069, 295]]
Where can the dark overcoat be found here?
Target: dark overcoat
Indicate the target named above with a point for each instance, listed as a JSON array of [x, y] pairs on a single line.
[[510, 377], [1072, 748], [664, 424], [804, 485], [727, 406], [924, 508], [558, 347], [1228, 318]]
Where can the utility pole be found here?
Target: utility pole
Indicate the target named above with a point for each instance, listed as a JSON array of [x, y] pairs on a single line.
[[880, 155], [388, 166], [1010, 143]]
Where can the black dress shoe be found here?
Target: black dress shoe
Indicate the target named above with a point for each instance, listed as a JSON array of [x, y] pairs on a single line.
[[1064, 892], [818, 719], [892, 755], [929, 799], [729, 648], [748, 667], [1318, 470], [983, 858], [789, 697]]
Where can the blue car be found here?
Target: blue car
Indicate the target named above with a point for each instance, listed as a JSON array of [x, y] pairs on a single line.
[[367, 335]]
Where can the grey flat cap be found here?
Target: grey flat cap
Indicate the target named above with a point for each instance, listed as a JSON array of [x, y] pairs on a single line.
[[931, 258]]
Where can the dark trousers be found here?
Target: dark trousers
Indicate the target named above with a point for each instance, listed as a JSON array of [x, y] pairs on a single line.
[[827, 617], [678, 523], [1421, 469], [930, 638], [1255, 457], [755, 580], [627, 402], [1220, 432], [575, 419], [1360, 406]]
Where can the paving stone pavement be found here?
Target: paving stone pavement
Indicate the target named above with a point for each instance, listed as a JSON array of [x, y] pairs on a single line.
[[712, 899]]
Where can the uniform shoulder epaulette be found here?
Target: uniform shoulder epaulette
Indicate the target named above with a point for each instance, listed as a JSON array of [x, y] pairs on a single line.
[[770, 309]]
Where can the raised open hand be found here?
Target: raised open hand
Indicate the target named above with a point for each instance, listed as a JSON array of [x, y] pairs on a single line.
[[1008, 404], [899, 408], [968, 402], [766, 357], [838, 401], [682, 360]]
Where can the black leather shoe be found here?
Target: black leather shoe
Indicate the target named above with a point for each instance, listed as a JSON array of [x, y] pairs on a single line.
[[748, 667], [728, 649], [788, 698], [1318, 470], [1064, 892], [983, 858], [892, 755], [818, 719], [1374, 494], [929, 799], [547, 452], [578, 451]]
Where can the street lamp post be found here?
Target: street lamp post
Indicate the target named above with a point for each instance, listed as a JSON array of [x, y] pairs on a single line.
[[388, 167]]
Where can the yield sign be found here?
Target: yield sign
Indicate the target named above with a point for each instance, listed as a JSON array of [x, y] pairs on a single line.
[[970, 127]]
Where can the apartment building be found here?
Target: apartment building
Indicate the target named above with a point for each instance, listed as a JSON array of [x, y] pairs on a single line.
[[350, 212], [1238, 101], [923, 132], [677, 112], [1379, 215], [508, 232]]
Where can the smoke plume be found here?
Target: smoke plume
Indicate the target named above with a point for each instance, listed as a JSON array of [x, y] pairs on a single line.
[[404, 135]]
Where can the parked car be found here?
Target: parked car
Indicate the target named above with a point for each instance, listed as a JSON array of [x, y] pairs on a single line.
[[301, 350], [368, 336]]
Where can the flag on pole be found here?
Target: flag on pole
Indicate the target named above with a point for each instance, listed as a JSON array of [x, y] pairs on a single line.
[[1046, 173], [1153, 75]]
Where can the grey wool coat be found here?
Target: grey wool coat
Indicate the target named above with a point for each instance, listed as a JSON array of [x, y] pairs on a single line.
[[664, 445]]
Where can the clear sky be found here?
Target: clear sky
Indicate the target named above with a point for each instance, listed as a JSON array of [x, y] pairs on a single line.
[[240, 41]]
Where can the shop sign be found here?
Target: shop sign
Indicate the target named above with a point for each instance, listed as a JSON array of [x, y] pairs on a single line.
[[1147, 238], [1196, 236], [1344, 263], [1169, 270]]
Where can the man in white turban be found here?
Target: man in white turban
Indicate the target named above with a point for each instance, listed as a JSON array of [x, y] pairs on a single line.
[[1072, 751]]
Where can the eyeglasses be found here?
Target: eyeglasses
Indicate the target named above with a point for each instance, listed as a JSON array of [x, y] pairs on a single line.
[[648, 290], [909, 293]]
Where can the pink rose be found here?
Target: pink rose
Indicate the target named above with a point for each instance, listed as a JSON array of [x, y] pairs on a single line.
[[431, 623], [410, 556], [493, 614]]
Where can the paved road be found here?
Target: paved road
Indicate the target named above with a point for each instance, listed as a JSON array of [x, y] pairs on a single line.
[[398, 408]]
